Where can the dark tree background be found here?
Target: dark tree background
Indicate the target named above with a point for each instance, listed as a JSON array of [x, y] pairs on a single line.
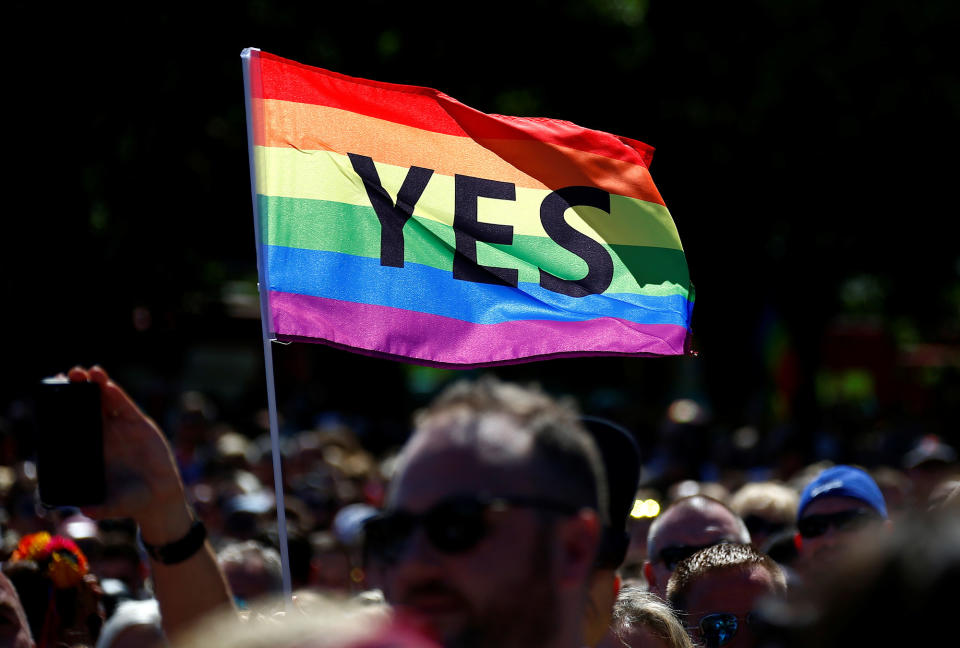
[[804, 147]]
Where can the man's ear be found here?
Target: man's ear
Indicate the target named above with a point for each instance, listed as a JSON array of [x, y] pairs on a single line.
[[649, 574], [579, 537]]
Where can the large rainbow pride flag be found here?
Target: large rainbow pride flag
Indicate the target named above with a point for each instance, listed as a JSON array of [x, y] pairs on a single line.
[[394, 220]]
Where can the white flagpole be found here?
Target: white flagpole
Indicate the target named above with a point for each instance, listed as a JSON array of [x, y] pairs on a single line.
[[264, 288]]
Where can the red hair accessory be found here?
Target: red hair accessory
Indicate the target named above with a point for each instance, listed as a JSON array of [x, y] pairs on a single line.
[[58, 557]]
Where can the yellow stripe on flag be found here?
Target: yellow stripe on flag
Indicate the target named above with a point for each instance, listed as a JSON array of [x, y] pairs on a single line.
[[324, 175]]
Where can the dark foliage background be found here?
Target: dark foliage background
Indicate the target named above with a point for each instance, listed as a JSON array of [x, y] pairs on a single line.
[[806, 150]]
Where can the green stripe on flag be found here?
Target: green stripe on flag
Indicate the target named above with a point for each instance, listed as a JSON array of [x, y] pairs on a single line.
[[353, 229]]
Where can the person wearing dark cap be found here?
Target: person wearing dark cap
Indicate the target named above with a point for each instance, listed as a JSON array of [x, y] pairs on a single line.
[[621, 464], [837, 509], [927, 464]]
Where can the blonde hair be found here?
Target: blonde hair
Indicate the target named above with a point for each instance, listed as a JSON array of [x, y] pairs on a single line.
[[637, 607], [771, 500]]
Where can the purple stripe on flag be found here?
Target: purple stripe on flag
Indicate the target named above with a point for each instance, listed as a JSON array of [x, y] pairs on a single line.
[[423, 337]]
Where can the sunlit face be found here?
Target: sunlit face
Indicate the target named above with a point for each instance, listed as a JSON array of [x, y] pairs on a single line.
[[500, 591], [735, 591], [689, 527]]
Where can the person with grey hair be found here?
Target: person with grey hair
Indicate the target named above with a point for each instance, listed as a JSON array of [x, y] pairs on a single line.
[[685, 527], [642, 619]]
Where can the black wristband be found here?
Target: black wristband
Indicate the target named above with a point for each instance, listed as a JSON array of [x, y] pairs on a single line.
[[177, 551]]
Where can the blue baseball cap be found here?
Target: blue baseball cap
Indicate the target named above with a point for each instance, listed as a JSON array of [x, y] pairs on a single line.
[[843, 481]]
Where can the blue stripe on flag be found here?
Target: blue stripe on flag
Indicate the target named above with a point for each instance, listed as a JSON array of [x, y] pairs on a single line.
[[418, 287]]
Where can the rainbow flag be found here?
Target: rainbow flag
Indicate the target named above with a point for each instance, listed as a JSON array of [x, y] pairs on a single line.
[[395, 221]]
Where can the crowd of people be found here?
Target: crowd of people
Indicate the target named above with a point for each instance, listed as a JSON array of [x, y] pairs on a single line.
[[508, 518]]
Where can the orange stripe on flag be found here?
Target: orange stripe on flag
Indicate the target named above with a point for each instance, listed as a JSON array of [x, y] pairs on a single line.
[[525, 163]]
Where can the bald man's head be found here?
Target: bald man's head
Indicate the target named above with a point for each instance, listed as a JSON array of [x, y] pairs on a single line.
[[687, 525]]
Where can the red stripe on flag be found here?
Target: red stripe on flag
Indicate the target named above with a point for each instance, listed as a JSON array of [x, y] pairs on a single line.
[[428, 109]]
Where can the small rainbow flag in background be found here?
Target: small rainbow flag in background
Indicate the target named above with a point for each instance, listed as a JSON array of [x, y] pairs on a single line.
[[394, 220]]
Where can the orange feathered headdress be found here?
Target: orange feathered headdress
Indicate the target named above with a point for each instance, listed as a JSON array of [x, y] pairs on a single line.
[[58, 557]]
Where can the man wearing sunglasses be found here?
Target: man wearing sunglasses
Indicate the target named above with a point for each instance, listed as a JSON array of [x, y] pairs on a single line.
[[492, 525], [717, 589], [841, 505], [686, 526]]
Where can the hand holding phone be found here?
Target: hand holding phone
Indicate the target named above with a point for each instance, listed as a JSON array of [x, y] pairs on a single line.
[[143, 482]]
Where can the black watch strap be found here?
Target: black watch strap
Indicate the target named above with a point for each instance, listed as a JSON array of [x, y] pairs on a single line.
[[177, 551]]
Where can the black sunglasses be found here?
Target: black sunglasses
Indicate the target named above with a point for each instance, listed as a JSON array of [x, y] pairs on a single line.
[[759, 525], [813, 526], [670, 556], [719, 628], [453, 525]]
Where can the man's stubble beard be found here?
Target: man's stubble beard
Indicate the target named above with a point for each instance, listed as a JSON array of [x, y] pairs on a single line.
[[526, 615]]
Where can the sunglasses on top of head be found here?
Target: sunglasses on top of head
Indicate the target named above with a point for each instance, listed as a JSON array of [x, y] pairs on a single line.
[[670, 556], [719, 628], [813, 526], [453, 525]]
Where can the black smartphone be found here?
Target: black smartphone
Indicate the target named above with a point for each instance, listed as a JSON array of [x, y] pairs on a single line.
[[70, 464]]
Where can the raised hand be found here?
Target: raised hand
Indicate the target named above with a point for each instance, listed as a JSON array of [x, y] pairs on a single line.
[[143, 482]]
